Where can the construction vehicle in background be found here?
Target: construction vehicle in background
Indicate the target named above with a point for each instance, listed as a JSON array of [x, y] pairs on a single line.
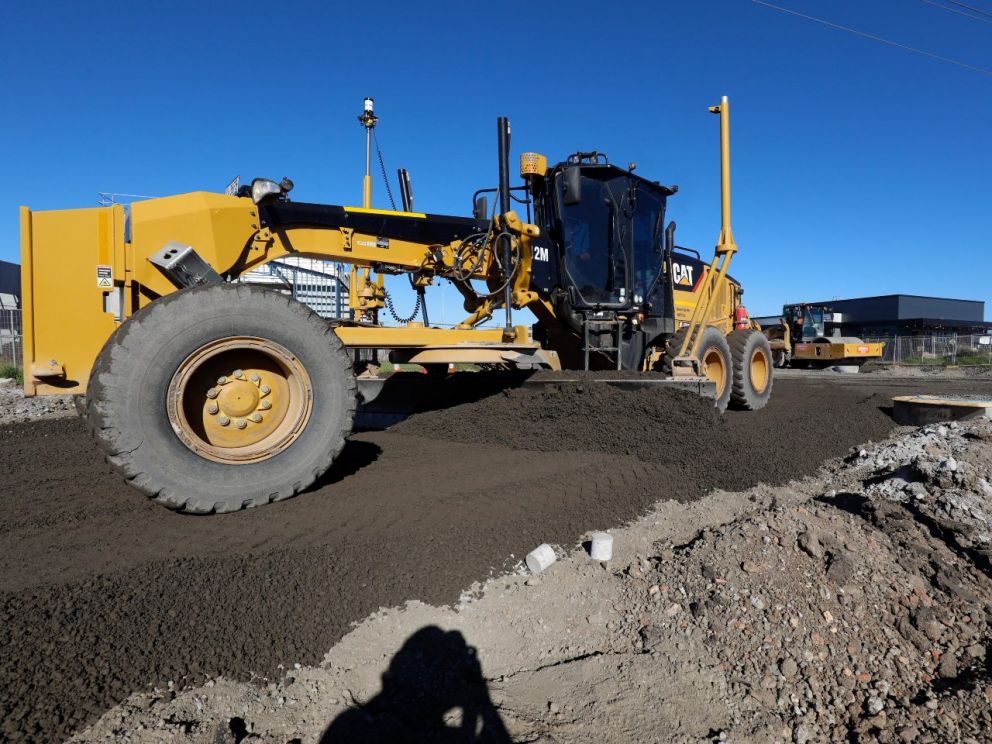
[[211, 395], [800, 339]]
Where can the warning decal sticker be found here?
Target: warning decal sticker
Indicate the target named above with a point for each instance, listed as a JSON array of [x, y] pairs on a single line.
[[104, 276]]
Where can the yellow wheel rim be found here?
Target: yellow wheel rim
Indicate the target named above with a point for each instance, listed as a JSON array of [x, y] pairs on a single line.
[[715, 369], [240, 400], [760, 365]]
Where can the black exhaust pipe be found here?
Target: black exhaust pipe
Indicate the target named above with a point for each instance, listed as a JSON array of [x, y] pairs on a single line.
[[503, 134], [406, 191]]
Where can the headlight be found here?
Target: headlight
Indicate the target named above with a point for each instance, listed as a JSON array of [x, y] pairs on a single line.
[[263, 187]]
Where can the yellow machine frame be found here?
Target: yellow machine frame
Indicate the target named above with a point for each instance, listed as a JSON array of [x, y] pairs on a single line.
[[69, 257]]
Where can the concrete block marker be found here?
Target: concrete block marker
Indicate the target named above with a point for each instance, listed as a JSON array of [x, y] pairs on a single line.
[[601, 548], [920, 410], [540, 558]]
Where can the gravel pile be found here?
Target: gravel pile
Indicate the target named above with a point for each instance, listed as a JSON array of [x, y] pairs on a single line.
[[860, 616], [15, 408]]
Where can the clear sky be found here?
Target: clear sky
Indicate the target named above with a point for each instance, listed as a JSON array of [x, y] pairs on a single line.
[[858, 168]]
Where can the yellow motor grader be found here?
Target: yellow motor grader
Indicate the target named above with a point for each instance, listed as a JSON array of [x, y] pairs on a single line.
[[211, 395]]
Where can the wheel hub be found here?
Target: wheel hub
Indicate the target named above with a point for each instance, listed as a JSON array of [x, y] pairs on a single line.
[[759, 371], [240, 400], [714, 370]]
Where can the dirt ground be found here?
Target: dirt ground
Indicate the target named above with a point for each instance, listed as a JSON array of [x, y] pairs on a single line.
[[104, 594]]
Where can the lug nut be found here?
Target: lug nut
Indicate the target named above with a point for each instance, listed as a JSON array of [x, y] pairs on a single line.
[[223, 421], [255, 378], [213, 392], [239, 374], [212, 408], [265, 405], [256, 418], [241, 423], [265, 390], [222, 380]]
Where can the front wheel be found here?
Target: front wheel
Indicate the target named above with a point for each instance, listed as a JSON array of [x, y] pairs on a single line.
[[713, 354], [222, 397]]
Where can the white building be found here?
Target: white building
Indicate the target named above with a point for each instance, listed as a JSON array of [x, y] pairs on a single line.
[[319, 284]]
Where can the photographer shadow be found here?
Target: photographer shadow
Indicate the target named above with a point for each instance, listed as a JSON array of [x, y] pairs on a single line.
[[433, 691]]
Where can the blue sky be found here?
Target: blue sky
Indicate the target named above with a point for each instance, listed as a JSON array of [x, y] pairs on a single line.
[[858, 168]]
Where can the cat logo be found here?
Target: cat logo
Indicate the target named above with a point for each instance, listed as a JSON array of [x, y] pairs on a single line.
[[682, 274]]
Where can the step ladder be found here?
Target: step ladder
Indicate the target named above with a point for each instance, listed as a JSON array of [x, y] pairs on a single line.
[[600, 328]]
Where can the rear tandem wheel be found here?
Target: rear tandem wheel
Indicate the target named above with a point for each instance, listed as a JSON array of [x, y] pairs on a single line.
[[752, 359]]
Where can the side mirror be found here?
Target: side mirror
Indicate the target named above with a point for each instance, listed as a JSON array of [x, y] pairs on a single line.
[[481, 208], [571, 185]]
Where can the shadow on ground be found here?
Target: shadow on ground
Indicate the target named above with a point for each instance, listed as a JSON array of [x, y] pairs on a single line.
[[432, 691], [355, 456]]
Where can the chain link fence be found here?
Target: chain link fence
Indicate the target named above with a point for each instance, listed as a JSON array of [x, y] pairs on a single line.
[[975, 350], [318, 284], [11, 346]]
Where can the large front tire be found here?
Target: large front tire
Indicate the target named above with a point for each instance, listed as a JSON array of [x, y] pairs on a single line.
[[222, 397], [752, 356]]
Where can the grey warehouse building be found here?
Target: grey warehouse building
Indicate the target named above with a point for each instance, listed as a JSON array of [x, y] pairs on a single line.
[[904, 315], [10, 285]]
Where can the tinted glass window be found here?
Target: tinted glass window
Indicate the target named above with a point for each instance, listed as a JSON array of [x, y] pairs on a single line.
[[594, 259], [646, 241]]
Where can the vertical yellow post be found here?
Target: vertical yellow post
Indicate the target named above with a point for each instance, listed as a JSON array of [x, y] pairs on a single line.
[[726, 243], [367, 191], [716, 276]]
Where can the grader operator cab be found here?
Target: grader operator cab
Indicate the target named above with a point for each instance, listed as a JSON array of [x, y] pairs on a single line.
[[602, 260], [211, 395]]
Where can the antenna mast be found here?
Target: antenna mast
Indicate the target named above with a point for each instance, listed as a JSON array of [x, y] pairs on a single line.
[[368, 119]]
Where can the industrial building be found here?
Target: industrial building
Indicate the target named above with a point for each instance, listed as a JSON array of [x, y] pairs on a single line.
[[902, 315], [10, 285]]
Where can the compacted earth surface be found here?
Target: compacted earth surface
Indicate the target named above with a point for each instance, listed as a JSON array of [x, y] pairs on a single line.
[[755, 594]]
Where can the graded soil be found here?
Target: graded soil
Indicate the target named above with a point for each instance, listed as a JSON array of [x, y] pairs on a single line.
[[103, 593]]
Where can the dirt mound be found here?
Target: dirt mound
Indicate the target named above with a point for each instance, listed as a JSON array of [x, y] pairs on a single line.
[[849, 608], [589, 416], [103, 593], [682, 432]]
